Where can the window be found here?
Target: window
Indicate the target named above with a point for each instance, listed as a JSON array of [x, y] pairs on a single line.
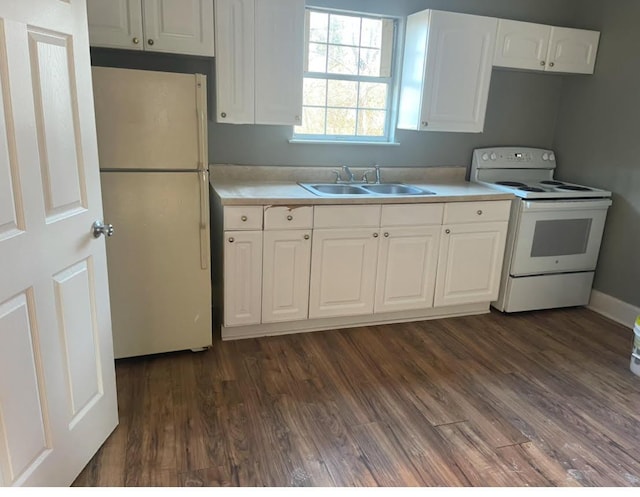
[[348, 80]]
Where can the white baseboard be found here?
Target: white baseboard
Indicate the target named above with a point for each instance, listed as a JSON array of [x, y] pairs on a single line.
[[615, 309]]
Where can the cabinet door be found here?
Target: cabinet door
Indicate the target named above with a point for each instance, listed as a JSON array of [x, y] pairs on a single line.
[[115, 24], [458, 72], [343, 272], [179, 26], [521, 45], [572, 50], [279, 61], [234, 22], [407, 268], [470, 263], [286, 266], [242, 277]]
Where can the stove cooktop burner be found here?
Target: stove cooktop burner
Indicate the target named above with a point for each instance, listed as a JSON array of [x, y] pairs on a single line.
[[510, 183], [553, 183], [530, 189], [574, 188]]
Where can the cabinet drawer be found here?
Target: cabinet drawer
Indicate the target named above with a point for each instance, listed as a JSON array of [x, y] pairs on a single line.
[[346, 216], [411, 214], [470, 212], [283, 217], [243, 218]]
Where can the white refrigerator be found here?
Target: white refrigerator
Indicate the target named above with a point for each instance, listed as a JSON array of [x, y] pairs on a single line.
[[152, 144]]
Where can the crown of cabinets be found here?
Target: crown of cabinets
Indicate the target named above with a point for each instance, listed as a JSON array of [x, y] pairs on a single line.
[[175, 26], [259, 61], [448, 58]]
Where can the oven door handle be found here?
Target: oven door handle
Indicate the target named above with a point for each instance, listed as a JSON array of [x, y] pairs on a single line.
[[566, 205]]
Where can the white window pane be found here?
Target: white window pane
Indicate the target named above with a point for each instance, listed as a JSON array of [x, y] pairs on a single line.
[[371, 122], [317, 57], [369, 62], [373, 95], [342, 93], [371, 33], [312, 121], [318, 26], [314, 91], [343, 60], [344, 30], [341, 122]]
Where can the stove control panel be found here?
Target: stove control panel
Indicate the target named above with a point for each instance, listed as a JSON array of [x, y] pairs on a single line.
[[514, 157]]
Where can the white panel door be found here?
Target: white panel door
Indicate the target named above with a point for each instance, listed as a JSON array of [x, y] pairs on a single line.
[[286, 266], [470, 263], [235, 74], [521, 45], [458, 72], [242, 277], [279, 61], [179, 26], [57, 381], [343, 272], [115, 23], [572, 50], [406, 274]]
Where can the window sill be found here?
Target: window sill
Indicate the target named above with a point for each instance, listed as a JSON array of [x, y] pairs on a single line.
[[340, 142]]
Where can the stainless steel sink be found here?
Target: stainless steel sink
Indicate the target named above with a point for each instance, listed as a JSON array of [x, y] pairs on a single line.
[[382, 189]]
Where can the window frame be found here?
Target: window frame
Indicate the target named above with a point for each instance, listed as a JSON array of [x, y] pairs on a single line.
[[392, 82]]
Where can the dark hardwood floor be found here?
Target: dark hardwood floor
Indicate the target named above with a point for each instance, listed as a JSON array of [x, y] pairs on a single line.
[[534, 399]]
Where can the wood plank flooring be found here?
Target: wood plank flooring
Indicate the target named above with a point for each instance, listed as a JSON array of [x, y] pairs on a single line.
[[533, 399]]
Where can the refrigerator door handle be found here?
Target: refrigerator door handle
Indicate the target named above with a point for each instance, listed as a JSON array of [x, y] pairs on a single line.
[[204, 219]]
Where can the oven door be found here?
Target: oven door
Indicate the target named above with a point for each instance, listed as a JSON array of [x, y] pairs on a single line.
[[558, 236]]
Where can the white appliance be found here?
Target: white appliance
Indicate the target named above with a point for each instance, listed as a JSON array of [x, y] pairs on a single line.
[[152, 144], [555, 229]]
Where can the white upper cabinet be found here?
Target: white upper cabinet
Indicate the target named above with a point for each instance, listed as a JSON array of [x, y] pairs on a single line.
[[115, 24], [175, 26], [525, 45], [259, 61], [446, 71]]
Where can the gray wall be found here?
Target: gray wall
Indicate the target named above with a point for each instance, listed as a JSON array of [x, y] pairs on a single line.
[[522, 107], [598, 140]]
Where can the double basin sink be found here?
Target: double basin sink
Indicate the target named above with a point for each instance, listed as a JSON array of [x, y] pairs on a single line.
[[374, 189]]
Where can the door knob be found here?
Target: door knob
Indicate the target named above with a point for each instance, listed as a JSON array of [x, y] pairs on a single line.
[[99, 228]]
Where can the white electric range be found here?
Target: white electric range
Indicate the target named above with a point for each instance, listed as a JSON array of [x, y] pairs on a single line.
[[555, 229]]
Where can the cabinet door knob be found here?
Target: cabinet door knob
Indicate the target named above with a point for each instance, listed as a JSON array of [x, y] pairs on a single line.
[[542, 62], [425, 124], [386, 235], [135, 40], [479, 213], [306, 237], [244, 219], [231, 240], [375, 235], [551, 64], [150, 41], [223, 114], [289, 217], [447, 231]]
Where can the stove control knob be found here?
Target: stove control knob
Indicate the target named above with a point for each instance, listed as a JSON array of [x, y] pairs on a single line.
[[494, 156], [552, 156], [545, 156], [485, 156]]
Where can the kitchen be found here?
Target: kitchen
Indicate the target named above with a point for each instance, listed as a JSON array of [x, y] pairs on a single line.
[[570, 115]]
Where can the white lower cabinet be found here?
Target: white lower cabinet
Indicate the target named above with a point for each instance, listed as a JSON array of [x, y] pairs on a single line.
[[343, 272], [406, 268], [285, 282], [242, 277], [470, 263]]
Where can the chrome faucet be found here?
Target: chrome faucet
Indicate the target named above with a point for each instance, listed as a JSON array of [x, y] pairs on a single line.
[[376, 170], [350, 177]]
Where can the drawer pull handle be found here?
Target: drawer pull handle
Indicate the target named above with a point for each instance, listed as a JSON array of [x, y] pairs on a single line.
[[306, 237], [223, 114], [289, 217], [551, 64], [479, 213], [150, 42], [386, 235], [375, 235], [542, 62], [231, 240], [244, 218], [447, 231], [136, 40]]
